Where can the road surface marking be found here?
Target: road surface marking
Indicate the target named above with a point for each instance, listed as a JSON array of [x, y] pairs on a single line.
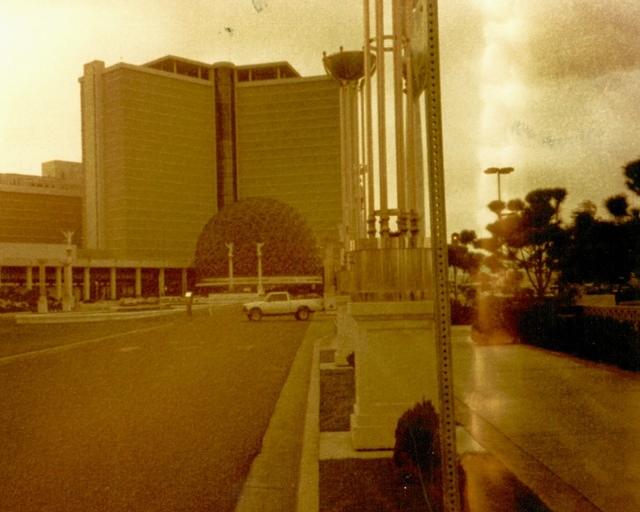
[[71, 346]]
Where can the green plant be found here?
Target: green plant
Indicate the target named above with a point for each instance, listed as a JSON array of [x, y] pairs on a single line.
[[417, 453], [417, 446]]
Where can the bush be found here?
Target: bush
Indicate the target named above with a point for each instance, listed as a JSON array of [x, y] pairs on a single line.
[[417, 446], [15, 299], [610, 341], [417, 453], [461, 314], [566, 329]]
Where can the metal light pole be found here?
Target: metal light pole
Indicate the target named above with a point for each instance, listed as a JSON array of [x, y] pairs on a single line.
[[260, 288], [230, 256], [499, 171], [67, 299]]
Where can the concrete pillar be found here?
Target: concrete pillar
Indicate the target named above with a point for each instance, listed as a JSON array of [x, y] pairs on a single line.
[[161, 282], [86, 284], [138, 282], [58, 295], [395, 367], [43, 306], [68, 299], [29, 274], [113, 293]]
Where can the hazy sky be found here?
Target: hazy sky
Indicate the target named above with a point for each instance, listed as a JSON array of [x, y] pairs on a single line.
[[551, 88]]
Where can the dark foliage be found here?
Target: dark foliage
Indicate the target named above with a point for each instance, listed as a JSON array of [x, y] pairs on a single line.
[[527, 236], [14, 299], [551, 325], [417, 453], [417, 446], [289, 246], [461, 314]]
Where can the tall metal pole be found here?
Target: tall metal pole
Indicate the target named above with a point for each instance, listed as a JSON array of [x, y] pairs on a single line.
[[230, 256], [260, 288], [382, 131], [368, 136], [442, 314], [401, 181]]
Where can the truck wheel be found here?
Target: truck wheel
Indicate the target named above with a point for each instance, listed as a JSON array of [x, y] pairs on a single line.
[[303, 314], [255, 314]]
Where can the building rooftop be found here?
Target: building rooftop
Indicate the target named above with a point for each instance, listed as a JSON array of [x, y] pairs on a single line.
[[244, 73]]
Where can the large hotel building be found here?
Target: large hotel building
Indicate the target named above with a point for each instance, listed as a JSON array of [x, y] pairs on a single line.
[[165, 145]]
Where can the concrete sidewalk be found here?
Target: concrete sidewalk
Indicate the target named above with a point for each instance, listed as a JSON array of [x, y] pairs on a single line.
[[567, 428]]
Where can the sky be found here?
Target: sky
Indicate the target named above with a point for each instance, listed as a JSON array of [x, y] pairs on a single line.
[[551, 88]]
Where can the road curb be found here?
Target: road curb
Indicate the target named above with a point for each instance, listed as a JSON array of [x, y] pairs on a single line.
[[308, 499], [273, 481]]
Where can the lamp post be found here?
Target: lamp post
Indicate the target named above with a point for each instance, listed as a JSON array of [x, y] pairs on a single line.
[[260, 288], [67, 299], [230, 256], [499, 171]]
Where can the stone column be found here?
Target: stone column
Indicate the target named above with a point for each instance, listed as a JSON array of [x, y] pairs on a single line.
[[43, 307], [86, 284], [113, 283], [161, 282], [138, 282], [29, 274], [395, 367], [68, 298], [58, 283]]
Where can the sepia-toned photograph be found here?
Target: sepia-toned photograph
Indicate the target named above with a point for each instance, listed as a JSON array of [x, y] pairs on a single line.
[[319, 256]]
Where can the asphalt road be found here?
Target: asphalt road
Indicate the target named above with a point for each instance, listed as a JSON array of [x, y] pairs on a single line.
[[160, 415]]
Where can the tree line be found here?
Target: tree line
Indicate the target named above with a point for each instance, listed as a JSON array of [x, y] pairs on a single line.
[[529, 240]]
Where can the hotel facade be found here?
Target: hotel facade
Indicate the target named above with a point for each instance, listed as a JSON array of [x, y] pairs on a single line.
[[166, 145]]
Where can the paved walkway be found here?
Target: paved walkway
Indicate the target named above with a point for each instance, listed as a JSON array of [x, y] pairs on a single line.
[[567, 428]]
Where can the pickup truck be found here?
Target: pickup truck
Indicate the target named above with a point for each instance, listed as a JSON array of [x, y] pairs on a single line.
[[281, 303]]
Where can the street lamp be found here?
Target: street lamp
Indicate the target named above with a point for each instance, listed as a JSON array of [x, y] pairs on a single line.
[[230, 256], [499, 171], [260, 288]]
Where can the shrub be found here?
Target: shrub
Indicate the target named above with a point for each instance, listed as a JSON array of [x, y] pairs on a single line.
[[351, 359], [417, 446], [417, 453], [610, 341], [461, 314]]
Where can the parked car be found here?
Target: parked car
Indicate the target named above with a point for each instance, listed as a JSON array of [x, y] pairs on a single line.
[[281, 303]]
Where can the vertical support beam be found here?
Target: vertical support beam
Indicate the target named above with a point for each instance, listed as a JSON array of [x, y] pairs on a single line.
[[86, 283], [138, 282], [161, 282], [230, 257], [345, 164], [58, 295], [260, 288], [29, 277], [113, 283], [442, 316], [43, 306], [401, 181], [368, 135], [382, 120]]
